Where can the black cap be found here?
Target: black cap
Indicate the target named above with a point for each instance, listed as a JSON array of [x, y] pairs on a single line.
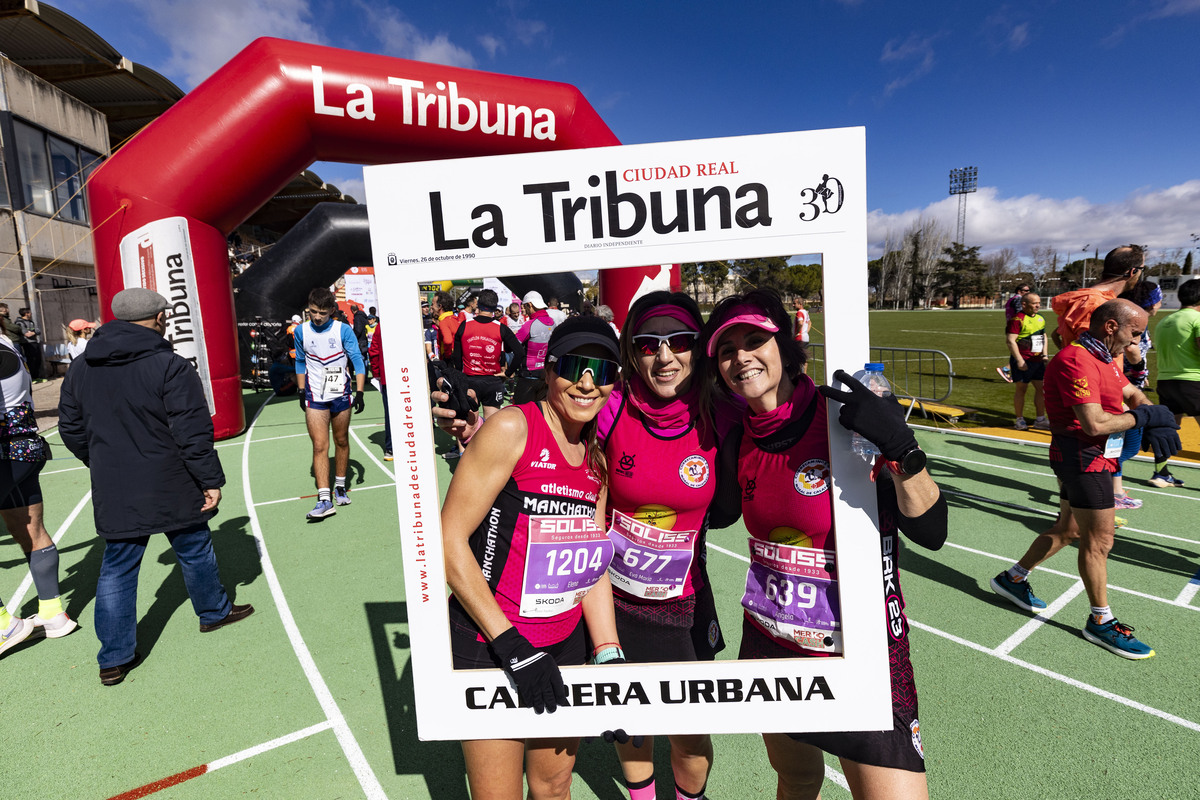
[[577, 332]]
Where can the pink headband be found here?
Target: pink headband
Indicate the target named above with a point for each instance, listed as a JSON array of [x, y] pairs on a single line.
[[667, 310], [741, 314]]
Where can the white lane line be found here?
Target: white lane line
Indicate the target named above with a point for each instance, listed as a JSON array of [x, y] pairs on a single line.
[[14, 602], [1046, 513], [1116, 698], [1051, 571], [1050, 475], [371, 455], [267, 439], [1174, 462], [1031, 627], [56, 471], [352, 491], [354, 754], [951, 333], [259, 749], [1033, 667], [1189, 591]]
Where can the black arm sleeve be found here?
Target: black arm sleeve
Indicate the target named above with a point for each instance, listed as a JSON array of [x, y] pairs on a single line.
[[726, 506], [513, 345], [928, 530]]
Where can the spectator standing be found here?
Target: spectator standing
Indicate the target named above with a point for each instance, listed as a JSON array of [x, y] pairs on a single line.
[[10, 328], [78, 332], [1179, 367], [606, 313], [360, 330], [1012, 307], [134, 412], [534, 336], [558, 315], [31, 346], [1026, 340], [1085, 393], [479, 347], [22, 455]]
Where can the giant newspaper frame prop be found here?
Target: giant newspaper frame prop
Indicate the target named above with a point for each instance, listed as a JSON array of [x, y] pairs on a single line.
[[742, 197]]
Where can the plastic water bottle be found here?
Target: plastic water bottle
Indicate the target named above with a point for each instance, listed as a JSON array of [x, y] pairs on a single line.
[[870, 376]]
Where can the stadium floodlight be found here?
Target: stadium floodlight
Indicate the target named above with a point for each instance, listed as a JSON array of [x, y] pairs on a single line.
[[963, 181]]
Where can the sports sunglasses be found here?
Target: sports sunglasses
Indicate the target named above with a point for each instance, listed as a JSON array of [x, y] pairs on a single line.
[[679, 341], [572, 367]]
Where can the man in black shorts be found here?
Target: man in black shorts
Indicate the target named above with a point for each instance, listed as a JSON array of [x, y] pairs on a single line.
[[479, 347], [1026, 339], [1085, 389]]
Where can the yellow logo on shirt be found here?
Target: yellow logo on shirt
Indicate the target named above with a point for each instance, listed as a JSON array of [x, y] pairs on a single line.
[[1080, 386]]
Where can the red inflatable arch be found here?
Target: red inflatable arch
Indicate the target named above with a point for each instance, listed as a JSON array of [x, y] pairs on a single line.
[[163, 204]]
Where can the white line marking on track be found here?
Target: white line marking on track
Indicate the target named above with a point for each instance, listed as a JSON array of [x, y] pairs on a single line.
[[352, 491], [14, 602], [56, 471], [954, 333], [1032, 443], [266, 439], [371, 455], [1116, 698], [1189, 591], [354, 754], [1050, 475], [1031, 627], [259, 749], [1027, 665]]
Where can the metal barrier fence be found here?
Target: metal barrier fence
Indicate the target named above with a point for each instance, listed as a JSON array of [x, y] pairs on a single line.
[[926, 375]]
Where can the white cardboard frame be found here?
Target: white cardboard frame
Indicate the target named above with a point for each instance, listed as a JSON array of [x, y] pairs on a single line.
[[784, 172]]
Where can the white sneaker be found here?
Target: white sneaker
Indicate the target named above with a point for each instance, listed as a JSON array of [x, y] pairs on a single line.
[[57, 626], [1020, 424], [1042, 422], [18, 632]]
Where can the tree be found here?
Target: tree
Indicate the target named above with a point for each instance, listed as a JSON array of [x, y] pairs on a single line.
[[763, 273], [804, 280], [689, 275], [962, 271], [714, 274], [923, 244], [1187, 264]]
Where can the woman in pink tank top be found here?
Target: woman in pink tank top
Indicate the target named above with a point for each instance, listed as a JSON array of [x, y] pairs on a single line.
[[661, 443], [525, 495], [791, 604]]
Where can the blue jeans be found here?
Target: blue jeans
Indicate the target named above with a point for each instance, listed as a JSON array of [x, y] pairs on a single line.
[[116, 591]]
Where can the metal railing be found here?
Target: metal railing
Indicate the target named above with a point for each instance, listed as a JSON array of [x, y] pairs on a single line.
[[926, 375]]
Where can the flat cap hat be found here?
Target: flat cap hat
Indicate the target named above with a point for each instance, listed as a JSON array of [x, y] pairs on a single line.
[[137, 303]]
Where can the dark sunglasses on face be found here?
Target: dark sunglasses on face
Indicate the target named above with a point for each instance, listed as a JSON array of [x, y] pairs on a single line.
[[649, 343], [572, 367]]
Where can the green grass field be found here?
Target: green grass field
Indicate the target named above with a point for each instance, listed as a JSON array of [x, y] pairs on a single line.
[[312, 697], [974, 341]]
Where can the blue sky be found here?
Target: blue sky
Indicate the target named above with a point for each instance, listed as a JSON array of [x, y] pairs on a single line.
[[1083, 118]]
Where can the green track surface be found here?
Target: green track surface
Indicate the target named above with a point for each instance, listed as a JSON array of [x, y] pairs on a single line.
[[1054, 718]]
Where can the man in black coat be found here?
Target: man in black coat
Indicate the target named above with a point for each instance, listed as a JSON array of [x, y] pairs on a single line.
[[135, 413]]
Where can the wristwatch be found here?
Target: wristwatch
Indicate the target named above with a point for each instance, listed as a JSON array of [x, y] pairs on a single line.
[[912, 462]]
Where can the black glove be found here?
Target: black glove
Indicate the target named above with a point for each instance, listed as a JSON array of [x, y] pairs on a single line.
[[1161, 439], [1153, 415], [621, 737], [453, 383], [303, 406], [539, 683], [360, 405], [879, 420]]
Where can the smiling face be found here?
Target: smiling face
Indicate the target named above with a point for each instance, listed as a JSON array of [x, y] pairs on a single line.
[[577, 403], [749, 362], [667, 374]]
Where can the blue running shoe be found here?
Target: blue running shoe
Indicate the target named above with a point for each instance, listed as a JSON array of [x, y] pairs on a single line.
[[341, 496], [324, 509], [1019, 594], [1165, 480], [1116, 638]]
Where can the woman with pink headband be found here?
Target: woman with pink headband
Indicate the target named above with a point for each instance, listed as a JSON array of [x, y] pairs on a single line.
[[781, 457], [661, 445]]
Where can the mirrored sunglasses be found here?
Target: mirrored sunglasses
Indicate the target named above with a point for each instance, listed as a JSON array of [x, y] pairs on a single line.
[[648, 343], [572, 367]]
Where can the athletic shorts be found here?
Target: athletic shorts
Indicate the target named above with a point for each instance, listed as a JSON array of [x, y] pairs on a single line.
[[1035, 370], [527, 387], [489, 389], [681, 629], [335, 406], [1090, 490], [19, 486], [898, 748], [1182, 397], [467, 652]]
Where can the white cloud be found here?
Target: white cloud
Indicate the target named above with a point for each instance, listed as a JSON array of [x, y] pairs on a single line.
[[353, 187], [402, 39], [914, 48], [203, 36], [491, 44], [1163, 219]]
